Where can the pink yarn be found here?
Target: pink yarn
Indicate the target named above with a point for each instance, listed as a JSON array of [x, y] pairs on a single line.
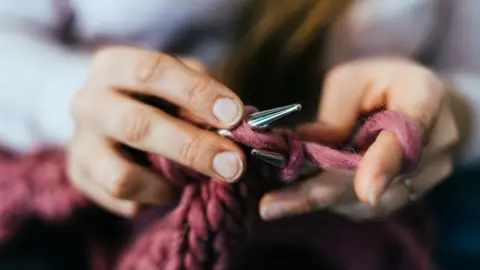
[[407, 132], [212, 220], [35, 186]]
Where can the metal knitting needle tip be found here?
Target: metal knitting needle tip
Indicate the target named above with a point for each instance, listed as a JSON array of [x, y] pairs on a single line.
[[272, 158], [279, 160], [266, 119]]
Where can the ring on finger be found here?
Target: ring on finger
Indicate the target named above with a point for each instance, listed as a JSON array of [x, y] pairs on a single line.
[[408, 183]]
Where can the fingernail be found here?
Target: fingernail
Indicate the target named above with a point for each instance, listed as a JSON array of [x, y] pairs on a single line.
[[272, 211], [227, 111], [228, 165], [375, 189]]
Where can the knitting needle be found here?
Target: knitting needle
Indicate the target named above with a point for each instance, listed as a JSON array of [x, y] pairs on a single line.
[[272, 158], [265, 120], [279, 160]]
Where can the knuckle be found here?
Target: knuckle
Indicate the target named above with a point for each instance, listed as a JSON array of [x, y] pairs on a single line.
[[194, 64], [320, 196], [190, 152], [151, 67], [121, 184], [198, 92], [135, 124], [118, 182], [316, 201]]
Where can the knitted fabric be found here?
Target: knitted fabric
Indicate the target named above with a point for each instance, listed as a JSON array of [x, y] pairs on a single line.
[[211, 222]]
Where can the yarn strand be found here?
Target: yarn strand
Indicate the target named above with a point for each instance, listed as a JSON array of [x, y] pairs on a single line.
[[226, 211], [212, 220]]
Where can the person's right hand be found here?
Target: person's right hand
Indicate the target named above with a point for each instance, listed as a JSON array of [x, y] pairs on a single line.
[[106, 117]]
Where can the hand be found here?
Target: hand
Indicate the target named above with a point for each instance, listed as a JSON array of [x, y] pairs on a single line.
[[108, 116], [377, 189]]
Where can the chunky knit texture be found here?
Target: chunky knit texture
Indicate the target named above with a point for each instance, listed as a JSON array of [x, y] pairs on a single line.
[[212, 220]]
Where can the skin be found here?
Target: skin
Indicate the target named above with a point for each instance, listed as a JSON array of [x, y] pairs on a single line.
[[106, 116], [376, 189]]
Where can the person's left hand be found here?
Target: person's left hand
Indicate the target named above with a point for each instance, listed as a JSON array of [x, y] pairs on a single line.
[[376, 189]]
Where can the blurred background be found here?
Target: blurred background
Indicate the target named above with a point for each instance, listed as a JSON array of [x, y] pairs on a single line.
[[46, 50]]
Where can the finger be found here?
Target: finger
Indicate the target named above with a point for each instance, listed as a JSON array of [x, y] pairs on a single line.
[[126, 180], [421, 105], [322, 191], [165, 77], [432, 174], [145, 128], [444, 136], [376, 173], [395, 197], [397, 194], [97, 194], [339, 104], [194, 63], [380, 164], [80, 177], [356, 211]]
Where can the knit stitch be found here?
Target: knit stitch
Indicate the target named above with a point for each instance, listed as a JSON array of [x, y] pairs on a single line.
[[211, 221]]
